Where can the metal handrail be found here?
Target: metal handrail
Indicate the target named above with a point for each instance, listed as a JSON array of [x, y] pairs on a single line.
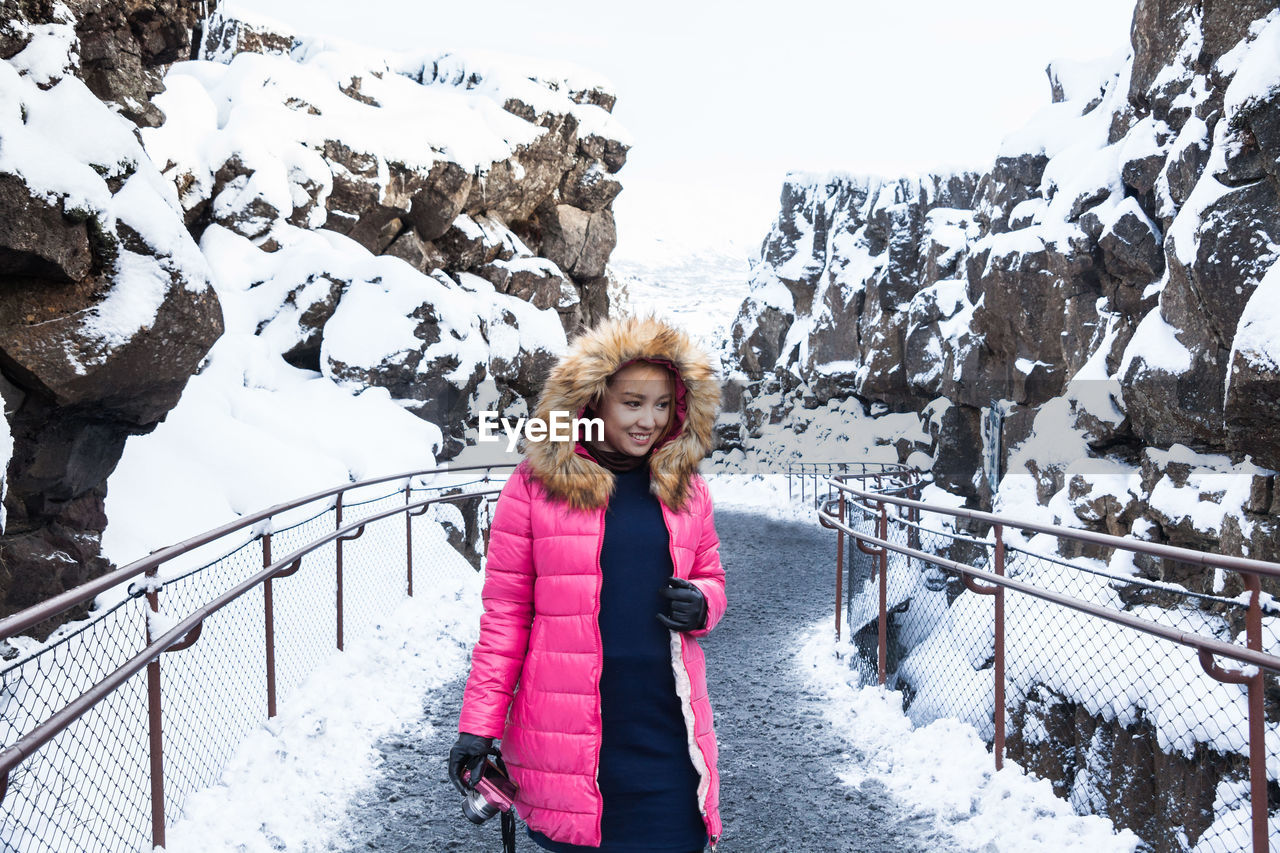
[[1186, 638], [996, 583], [1155, 549], [806, 470], [20, 750], [18, 622], [906, 522]]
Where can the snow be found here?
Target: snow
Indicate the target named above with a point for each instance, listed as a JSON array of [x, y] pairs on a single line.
[[957, 310], [1194, 133], [1213, 490], [1026, 365], [141, 285], [6, 452], [950, 227], [943, 769], [1257, 74], [1046, 132], [1024, 241], [381, 304], [1031, 210], [159, 623], [1155, 341], [1053, 443], [1148, 137], [1092, 390], [1184, 231], [291, 779], [1189, 49], [1255, 340], [68, 144], [250, 430], [802, 265], [768, 290], [1086, 169], [1085, 80], [543, 84], [52, 52]]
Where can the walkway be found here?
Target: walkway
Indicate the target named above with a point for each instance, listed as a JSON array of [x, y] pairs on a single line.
[[779, 790]]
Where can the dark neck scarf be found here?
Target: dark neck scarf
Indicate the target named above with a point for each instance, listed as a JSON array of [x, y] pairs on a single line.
[[613, 460]]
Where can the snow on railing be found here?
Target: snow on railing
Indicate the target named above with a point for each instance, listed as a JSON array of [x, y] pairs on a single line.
[[94, 751], [1042, 632]]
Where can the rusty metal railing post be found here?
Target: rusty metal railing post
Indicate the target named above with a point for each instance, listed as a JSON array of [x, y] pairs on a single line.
[[1256, 718], [883, 627], [839, 566], [155, 715], [999, 652], [269, 615], [338, 578], [882, 527], [408, 542], [1257, 734]]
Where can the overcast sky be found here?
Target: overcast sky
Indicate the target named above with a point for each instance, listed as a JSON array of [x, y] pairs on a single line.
[[723, 99]]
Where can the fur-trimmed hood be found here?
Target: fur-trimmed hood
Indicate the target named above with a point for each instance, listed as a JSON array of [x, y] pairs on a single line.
[[566, 470]]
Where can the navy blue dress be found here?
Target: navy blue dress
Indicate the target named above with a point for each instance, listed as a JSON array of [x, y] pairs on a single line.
[[647, 779]]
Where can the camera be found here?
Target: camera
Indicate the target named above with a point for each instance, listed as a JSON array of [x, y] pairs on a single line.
[[491, 793]]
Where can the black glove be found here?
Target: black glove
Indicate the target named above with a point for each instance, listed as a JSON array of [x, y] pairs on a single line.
[[468, 753], [688, 606]]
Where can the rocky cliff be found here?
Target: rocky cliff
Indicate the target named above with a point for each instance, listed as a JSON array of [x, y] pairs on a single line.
[[427, 227], [1104, 291], [105, 303], [1088, 333]]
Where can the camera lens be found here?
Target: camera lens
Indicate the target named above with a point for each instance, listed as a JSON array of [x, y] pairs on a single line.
[[477, 808]]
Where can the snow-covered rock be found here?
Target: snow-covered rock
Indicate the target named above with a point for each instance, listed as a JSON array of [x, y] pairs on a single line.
[[415, 232], [106, 307], [1109, 257]]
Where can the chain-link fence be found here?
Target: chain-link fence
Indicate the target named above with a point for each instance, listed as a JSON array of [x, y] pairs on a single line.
[[90, 772], [1082, 669]]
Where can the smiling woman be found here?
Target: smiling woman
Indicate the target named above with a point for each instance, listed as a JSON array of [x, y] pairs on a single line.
[[603, 571]]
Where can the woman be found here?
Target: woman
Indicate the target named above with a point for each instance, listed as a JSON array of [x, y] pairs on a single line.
[[603, 567]]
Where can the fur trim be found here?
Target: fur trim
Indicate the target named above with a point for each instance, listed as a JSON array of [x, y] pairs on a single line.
[[581, 376]]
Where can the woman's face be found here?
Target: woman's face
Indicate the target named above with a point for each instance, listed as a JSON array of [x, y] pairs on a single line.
[[636, 407]]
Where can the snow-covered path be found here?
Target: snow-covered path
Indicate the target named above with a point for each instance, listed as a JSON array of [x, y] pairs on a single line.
[[779, 756]]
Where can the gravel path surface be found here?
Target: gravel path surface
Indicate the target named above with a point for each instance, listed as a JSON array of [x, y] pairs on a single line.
[[779, 791]]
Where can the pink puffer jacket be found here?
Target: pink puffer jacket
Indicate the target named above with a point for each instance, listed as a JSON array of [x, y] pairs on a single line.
[[535, 671]]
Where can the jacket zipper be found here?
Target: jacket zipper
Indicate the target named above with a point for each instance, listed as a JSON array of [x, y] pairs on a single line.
[[599, 673], [691, 716]]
